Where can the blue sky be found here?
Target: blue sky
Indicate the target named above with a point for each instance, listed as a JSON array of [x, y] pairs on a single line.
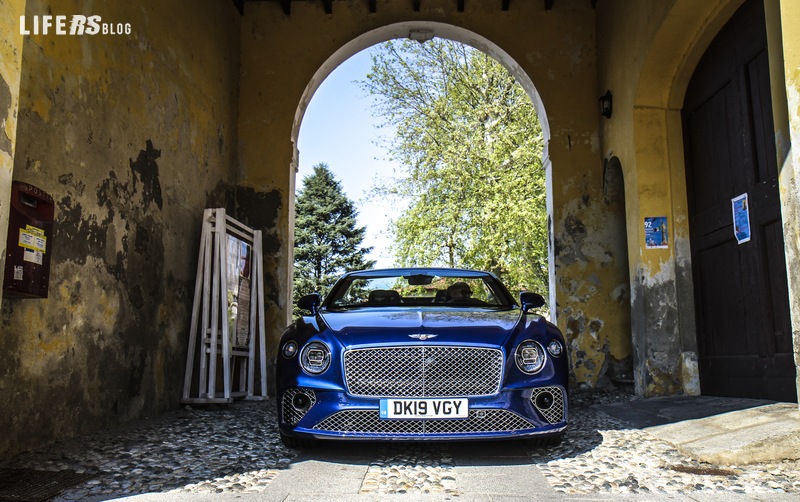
[[339, 130]]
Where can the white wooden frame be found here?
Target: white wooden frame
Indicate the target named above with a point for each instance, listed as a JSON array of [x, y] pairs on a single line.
[[209, 337]]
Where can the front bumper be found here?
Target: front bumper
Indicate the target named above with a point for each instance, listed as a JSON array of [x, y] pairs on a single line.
[[519, 413]]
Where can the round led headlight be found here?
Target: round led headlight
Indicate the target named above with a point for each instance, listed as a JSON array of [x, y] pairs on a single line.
[[530, 357], [554, 348], [289, 349], [315, 358]]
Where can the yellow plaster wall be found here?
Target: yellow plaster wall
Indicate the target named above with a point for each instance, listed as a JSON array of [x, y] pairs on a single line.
[[10, 68], [789, 178], [282, 54], [133, 135], [649, 53]]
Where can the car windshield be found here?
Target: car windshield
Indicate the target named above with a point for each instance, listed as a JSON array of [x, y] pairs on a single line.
[[403, 289]]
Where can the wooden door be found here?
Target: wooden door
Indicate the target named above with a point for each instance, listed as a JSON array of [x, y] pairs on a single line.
[[741, 290]]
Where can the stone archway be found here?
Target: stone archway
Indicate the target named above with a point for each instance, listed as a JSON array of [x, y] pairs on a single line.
[[284, 59], [428, 30]]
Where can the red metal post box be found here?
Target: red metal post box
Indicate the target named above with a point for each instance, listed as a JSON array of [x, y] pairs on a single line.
[[30, 242]]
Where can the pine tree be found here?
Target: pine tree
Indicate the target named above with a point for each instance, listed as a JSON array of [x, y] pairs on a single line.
[[327, 242]]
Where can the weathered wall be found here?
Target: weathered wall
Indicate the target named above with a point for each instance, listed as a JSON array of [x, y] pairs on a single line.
[[10, 68], [649, 53], [788, 46], [281, 56], [133, 135]]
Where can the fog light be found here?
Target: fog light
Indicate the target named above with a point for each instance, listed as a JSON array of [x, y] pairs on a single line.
[[301, 402], [544, 401]]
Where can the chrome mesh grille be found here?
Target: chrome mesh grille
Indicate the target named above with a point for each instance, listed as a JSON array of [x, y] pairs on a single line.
[[555, 413], [423, 371], [369, 422], [292, 415]]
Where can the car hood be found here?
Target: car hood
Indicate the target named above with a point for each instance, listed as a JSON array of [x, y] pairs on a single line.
[[395, 325]]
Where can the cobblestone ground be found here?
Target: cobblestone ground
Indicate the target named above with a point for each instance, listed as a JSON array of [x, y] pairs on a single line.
[[221, 449], [604, 455], [237, 449], [411, 468]]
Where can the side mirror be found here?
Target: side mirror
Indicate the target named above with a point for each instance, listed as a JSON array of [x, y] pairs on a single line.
[[310, 302], [530, 300]]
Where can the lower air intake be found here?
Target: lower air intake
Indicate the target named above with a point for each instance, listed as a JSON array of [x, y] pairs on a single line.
[[369, 422], [549, 401]]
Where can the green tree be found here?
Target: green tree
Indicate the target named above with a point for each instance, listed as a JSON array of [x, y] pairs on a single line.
[[470, 144], [327, 241]]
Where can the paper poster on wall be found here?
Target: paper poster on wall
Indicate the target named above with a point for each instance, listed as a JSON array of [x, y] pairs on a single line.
[[656, 235], [741, 218]]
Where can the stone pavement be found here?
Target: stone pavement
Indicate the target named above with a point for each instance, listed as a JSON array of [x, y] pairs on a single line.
[[718, 430], [619, 447]]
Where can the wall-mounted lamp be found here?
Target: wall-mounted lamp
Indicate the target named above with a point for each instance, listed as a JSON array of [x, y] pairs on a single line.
[[605, 105]]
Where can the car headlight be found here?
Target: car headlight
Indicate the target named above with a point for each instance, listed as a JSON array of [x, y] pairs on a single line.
[[554, 348], [315, 358], [530, 357], [289, 349]]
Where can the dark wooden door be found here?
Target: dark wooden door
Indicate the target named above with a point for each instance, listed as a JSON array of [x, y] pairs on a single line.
[[741, 290]]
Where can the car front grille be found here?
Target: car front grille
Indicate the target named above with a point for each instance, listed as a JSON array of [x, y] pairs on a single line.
[[423, 371], [369, 422]]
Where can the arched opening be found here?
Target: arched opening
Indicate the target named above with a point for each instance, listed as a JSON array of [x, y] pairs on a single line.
[[425, 29], [662, 306], [619, 359], [274, 97], [663, 283], [744, 333]]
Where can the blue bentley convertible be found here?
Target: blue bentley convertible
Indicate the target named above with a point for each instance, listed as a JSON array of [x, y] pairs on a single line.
[[421, 354]]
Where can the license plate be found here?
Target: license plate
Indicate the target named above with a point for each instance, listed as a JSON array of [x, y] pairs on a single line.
[[424, 408]]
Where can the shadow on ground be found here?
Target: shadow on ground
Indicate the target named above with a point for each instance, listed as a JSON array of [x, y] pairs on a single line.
[[219, 445]]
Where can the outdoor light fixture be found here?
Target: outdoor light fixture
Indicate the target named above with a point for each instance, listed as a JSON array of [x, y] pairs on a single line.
[[605, 105]]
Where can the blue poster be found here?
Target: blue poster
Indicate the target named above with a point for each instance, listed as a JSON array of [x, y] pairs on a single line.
[[656, 235], [741, 218]]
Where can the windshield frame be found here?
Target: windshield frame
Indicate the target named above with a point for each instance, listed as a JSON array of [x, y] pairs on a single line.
[[507, 300]]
